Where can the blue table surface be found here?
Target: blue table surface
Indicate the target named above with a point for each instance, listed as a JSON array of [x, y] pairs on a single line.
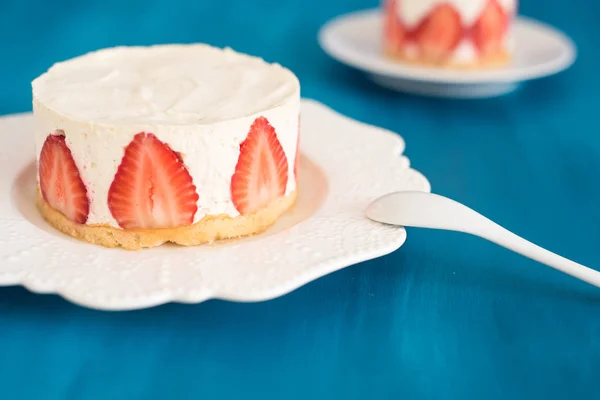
[[447, 316]]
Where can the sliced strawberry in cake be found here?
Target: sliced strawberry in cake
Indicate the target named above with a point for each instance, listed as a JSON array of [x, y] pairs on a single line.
[[152, 187], [297, 157], [490, 29], [439, 34], [261, 173], [60, 182], [393, 29]]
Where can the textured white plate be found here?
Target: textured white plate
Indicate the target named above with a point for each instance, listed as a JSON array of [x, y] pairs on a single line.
[[345, 164], [355, 39]]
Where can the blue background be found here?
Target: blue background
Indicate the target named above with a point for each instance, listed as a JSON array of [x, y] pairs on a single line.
[[445, 317]]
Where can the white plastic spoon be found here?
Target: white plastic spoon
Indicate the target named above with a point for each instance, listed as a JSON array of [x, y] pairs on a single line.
[[427, 210]]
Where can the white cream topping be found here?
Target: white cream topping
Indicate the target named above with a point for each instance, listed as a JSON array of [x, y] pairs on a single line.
[[412, 12], [174, 84], [208, 135]]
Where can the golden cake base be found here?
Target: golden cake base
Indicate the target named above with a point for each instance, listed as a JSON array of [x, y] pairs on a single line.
[[207, 230], [499, 59]]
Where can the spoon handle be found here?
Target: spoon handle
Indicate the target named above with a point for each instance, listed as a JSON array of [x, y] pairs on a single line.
[[501, 236], [427, 210]]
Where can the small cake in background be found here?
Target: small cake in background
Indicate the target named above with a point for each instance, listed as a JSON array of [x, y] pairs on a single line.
[[449, 33]]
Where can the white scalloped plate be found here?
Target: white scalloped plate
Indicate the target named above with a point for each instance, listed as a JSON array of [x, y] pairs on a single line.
[[345, 165]]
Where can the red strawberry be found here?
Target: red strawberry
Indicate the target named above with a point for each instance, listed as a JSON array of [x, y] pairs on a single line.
[[490, 28], [261, 173], [439, 34], [152, 188], [60, 183], [297, 158], [393, 30]]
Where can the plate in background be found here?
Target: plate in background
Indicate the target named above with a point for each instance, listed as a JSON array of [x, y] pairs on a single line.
[[355, 39]]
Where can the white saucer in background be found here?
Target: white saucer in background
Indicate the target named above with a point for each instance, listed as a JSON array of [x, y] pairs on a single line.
[[355, 39]]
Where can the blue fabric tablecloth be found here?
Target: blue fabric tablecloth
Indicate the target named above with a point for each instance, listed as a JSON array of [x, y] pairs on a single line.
[[445, 317]]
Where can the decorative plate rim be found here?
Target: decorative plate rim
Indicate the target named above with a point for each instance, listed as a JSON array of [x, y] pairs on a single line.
[[358, 163]]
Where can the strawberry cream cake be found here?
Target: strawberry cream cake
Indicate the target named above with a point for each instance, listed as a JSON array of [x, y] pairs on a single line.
[[138, 146], [449, 33]]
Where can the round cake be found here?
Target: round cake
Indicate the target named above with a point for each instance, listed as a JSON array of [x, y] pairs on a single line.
[[138, 146], [449, 33]]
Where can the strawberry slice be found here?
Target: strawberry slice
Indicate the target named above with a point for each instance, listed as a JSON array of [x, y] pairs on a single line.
[[393, 30], [439, 34], [490, 28], [297, 158], [152, 187], [60, 183], [261, 173]]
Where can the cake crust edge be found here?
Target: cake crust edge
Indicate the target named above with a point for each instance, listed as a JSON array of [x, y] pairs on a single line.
[[499, 59], [209, 229]]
